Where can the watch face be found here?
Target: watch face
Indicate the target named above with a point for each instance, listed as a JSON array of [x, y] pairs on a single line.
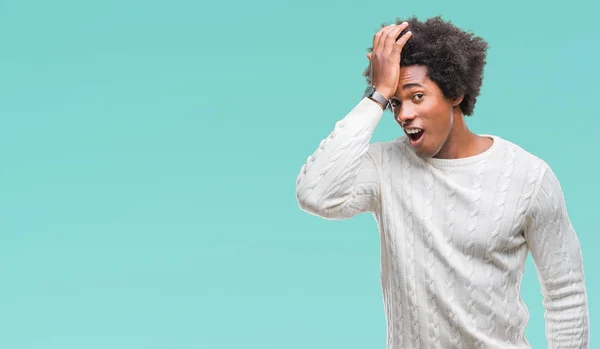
[[369, 91]]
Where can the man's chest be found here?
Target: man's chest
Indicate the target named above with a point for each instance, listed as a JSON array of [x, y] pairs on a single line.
[[474, 211]]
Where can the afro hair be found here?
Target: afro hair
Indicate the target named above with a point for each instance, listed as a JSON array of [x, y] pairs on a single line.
[[455, 58]]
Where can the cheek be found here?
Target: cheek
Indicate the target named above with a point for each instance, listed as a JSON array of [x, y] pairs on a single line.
[[445, 118], [441, 123], [441, 120]]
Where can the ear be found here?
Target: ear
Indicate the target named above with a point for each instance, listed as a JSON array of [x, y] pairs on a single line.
[[458, 100]]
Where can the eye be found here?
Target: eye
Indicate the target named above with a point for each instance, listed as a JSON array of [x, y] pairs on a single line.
[[418, 96]]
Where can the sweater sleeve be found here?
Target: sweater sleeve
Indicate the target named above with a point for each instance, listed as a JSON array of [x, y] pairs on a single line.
[[340, 179], [558, 260]]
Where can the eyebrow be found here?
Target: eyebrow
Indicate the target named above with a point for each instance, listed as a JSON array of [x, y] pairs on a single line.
[[408, 86]]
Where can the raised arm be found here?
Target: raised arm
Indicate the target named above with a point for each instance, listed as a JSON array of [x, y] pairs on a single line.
[[557, 256], [340, 179]]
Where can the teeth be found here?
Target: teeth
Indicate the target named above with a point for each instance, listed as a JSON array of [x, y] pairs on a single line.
[[412, 130]]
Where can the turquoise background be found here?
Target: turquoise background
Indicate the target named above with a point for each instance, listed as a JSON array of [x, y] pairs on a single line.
[[150, 152]]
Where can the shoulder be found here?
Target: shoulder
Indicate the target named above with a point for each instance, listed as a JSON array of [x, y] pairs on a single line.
[[520, 152], [524, 160], [546, 191]]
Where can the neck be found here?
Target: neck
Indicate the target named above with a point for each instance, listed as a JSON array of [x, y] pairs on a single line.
[[461, 142]]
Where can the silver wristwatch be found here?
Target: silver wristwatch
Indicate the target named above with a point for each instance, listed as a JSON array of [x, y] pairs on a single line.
[[372, 93]]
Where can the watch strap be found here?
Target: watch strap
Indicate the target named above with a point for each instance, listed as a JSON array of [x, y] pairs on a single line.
[[380, 98], [372, 93]]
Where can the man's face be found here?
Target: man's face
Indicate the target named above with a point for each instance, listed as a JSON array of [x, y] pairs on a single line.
[[419, 106]]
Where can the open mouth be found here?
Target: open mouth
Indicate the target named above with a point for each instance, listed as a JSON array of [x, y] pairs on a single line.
[[414, 133]]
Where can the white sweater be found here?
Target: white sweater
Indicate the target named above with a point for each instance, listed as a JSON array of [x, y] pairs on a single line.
[[455, 234]]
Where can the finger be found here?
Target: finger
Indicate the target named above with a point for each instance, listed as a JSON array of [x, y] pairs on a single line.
[[392, 36], [369, 56], [402, 41], [380, 37], [377, 38]]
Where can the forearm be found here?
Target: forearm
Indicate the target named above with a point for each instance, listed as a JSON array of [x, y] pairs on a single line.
[[557, 255], [567, 318], [565, 299], [328, 183]]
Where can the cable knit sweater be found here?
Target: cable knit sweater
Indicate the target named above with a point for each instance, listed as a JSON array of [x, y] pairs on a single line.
[[455, 234]]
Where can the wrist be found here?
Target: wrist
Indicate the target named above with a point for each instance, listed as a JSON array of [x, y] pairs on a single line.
[[376, 96], [386, 92], [376, 102]]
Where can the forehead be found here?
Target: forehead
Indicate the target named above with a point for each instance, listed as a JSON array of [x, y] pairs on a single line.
[[414, 74]]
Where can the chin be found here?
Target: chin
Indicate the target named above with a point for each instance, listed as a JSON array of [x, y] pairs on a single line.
[[424, 146], [425, 154], [421, 150]]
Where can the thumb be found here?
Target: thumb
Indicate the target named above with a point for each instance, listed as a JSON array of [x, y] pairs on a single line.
[[369, 56]]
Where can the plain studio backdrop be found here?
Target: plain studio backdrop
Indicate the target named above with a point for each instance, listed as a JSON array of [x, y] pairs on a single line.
[[149, 154]]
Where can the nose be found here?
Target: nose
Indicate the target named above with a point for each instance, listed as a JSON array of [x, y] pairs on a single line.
[[404, 113]]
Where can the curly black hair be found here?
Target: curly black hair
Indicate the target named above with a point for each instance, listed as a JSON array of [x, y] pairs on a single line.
[[455, 58]]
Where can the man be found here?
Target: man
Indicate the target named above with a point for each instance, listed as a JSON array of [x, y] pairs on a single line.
[[457, 211]]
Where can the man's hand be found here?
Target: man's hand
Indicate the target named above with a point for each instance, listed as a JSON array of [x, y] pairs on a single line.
[[385, 59]]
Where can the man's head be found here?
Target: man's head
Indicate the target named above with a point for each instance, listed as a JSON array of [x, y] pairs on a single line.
[[440, 79]]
